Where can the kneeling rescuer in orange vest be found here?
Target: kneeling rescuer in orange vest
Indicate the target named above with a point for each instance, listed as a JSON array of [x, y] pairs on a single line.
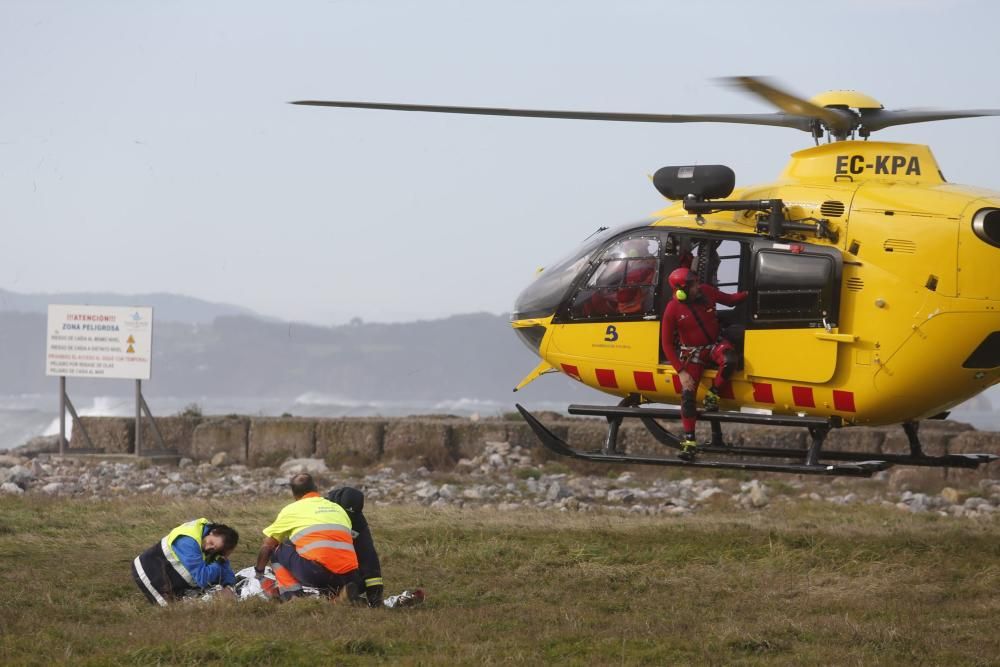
[[310, 544]]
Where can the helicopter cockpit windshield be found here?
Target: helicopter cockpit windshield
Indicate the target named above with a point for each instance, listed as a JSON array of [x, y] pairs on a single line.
[[546, 292]]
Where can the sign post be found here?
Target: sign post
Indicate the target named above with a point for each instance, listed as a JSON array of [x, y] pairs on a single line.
[[105, 342]]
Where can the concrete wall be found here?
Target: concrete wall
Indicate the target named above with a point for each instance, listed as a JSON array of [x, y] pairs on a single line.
[[439, 443]]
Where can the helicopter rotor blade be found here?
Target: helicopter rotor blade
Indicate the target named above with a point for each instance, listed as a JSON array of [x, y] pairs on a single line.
[[878, 119], [838, 122], [795, 121]]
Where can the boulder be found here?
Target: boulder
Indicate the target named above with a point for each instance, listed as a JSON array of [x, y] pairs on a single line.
[[18, 475], [758, 495], [350, 441], [311, 466], [589, 434], [111, 435], [42, 444], [855, 439], [911, 478], [951, 496], [633, 437], [974, 442], [420, 442], [274, 439], [772, 436], [934, 441], [177, 432], [519, 434], [469, 437], [220, 434]]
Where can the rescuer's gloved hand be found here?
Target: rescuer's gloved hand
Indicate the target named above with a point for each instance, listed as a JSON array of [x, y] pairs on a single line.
[[374, 596], [354, 590]]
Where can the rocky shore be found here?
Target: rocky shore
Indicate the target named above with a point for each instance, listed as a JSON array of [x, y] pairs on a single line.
[[503, 476]]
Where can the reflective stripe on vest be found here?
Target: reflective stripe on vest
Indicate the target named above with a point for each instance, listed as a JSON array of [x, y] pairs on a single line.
[[329, 544], [320, 531], [193, 529]]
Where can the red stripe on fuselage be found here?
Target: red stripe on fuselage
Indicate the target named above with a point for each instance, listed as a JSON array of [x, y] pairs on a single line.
[[763, 392], [803, 397], [644, 381], [843, 400], [606, 378], [572, 371]]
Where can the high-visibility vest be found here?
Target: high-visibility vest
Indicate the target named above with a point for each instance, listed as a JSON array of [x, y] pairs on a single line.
[[193, 529], [320, 531], [161, 571]]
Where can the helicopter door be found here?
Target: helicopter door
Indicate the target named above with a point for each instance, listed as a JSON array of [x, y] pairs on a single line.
[[794, 305]]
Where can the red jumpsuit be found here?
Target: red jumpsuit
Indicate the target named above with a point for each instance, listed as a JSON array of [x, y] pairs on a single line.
[[696, 348]]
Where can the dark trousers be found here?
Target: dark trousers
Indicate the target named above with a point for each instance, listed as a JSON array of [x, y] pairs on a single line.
[[142, 586], [293, 572]]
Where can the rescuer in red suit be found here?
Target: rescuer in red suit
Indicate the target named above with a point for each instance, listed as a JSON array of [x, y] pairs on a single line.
[[690, 318]]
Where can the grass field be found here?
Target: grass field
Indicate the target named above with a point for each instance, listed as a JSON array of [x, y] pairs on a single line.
[[804, 583]]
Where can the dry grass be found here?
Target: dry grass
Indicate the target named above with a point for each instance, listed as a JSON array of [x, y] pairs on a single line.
[[802, 584]]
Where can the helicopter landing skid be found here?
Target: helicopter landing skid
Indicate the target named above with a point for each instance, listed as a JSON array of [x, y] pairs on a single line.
[[716, 446], [818, 430], [609, 454]]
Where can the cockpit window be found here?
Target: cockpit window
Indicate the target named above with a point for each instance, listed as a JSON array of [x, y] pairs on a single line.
[[608, 274], [543, 296], [622, 284], [633, 247]]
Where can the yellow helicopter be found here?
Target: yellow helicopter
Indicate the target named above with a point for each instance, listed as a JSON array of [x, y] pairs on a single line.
[[873, 297]]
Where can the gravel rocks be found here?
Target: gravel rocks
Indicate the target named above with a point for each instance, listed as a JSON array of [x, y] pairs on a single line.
[[503, 476], [11, 489]]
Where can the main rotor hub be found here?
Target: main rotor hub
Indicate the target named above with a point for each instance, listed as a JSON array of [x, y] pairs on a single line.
[[849, 108], [846, 99]]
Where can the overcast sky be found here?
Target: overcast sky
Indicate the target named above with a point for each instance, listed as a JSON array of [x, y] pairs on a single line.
[[148, 146]]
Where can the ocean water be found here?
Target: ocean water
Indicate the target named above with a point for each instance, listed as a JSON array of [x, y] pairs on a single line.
[[25, 416]]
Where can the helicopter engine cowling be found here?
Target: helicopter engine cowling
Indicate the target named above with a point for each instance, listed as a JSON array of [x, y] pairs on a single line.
[[701, 182]]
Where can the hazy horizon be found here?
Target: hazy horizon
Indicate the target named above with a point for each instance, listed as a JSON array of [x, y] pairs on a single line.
[[54, 296], [149, 147]]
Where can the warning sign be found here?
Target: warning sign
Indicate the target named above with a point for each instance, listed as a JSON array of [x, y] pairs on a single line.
[[99, 342]]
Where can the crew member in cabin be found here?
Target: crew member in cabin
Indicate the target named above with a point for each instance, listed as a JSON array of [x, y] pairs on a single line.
[[635, 295], [312, 543], [192, 558], [691, 338]]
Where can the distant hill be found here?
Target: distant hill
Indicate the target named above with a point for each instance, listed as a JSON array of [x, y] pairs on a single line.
[[474, 356], [166, 307]]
